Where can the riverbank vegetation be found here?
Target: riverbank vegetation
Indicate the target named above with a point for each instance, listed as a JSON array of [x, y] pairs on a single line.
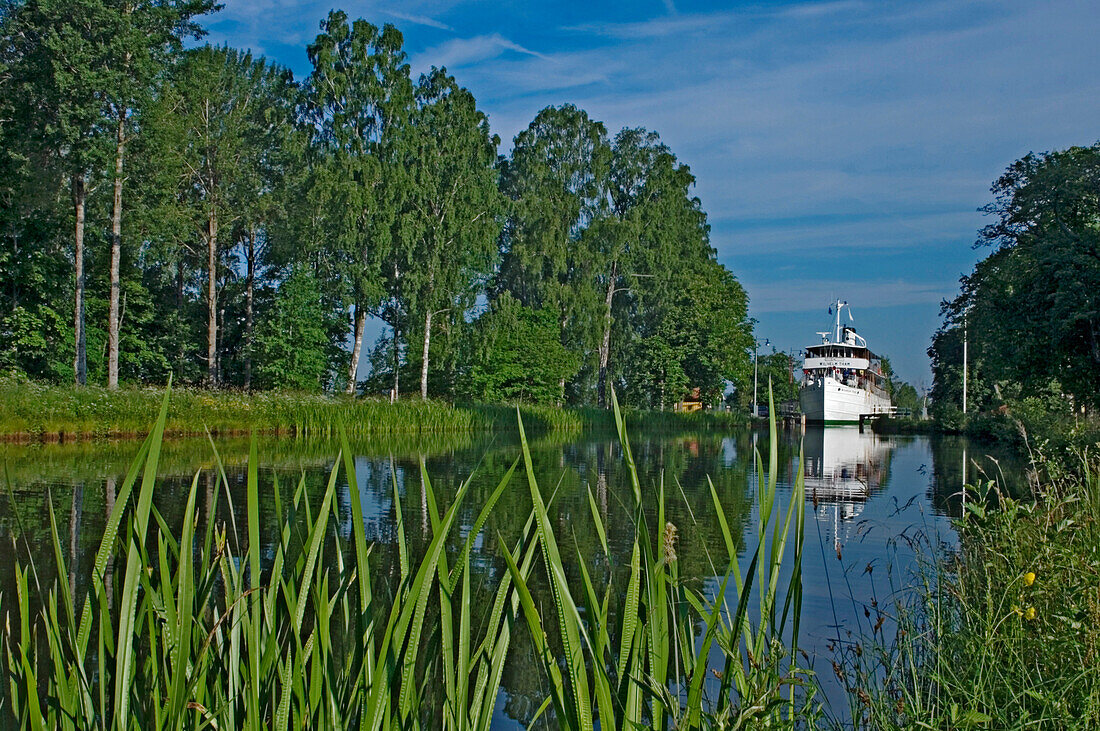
[[1029, 313], [198, 211], [1004, 633], [211, 626], [31, 411]]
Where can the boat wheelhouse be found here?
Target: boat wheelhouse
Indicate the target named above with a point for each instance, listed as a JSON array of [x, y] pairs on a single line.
[[842, 379]]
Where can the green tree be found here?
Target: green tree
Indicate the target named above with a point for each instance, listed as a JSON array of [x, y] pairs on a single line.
[[56, 71], [905, 396], [358, 99], [453, 204], [655, 249], [699, 338], [1031, 309], [223, 111], [946, 355], [518, 356], [556, 180], [144, 36], [291, 341]]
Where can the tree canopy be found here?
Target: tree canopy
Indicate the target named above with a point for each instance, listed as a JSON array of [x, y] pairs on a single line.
[[1030, 311], [199, 212]]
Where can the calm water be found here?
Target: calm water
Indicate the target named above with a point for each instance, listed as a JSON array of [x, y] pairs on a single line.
[[869, 499]]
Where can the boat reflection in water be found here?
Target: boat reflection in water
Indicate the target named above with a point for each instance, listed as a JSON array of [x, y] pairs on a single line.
[[844, 468]]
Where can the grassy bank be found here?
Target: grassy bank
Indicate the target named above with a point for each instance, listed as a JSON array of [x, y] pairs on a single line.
[[1046, 423], [204, 627], [1005, 634], [35, 411], [904, 425]]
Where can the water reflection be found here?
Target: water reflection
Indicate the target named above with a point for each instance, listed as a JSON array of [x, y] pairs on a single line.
[[844, 468], [863, 491]]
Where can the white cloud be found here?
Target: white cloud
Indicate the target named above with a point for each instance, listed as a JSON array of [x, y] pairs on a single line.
[[810, 295], [899, 109], [462, 52], [419, 19]]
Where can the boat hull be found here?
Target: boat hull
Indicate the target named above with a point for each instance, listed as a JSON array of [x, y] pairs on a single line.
[[829, 401]]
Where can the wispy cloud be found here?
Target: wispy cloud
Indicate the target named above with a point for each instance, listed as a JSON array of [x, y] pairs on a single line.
[[462, 52], [662, 27], [838, 136], [819, 9], [813, 294], [419, 19]]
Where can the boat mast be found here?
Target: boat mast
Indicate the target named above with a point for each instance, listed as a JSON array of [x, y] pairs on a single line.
[[839, 304]]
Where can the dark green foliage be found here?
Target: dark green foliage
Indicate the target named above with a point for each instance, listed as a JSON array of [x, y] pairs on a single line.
[[1005, 633], [1031, 309], [518, 355], [207, 176], [608, 234], [357, 102], [35, 341], [695, 337], [905, 396], [291, 342]]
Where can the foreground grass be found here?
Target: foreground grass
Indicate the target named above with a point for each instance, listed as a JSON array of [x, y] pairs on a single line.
[[38, 411], [190, 628], [1006, 635]]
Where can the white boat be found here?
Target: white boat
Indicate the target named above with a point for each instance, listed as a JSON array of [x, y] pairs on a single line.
[[841, 378]]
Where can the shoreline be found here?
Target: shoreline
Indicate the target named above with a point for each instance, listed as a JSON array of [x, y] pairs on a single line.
[[33, 413]]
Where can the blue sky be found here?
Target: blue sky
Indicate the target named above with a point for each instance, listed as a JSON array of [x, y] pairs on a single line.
[[842, 148]]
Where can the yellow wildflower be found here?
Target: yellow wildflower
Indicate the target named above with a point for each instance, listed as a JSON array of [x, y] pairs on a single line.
[[1029, 578], [1030, 613]]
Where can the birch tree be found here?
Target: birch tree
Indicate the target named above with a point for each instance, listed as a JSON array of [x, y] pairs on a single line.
[[556, 179], [453, 204], [358, 97], [144, 33], [56, 82]]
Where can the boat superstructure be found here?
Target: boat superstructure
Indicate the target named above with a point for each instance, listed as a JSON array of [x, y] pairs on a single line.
[[842, 379]]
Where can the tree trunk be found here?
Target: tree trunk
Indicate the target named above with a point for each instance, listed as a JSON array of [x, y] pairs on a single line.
[[396, 362], [212, 299], [116, 254], [80, 360], [424, 362], [356, 347], [562, 322], [249, 286], [179, 286], [180, 346], [605, 344]]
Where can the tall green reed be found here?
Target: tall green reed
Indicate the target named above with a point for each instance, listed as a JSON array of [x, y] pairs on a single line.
[[650, 669], [1003, 632], [207, 631]]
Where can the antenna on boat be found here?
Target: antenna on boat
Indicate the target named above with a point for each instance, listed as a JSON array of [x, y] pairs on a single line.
[[839, 305]]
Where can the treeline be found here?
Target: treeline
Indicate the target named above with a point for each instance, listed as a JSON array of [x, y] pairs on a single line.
[[1029, 313], [198, 211]]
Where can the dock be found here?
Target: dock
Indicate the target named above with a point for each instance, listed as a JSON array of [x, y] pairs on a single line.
[[791, 416]]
